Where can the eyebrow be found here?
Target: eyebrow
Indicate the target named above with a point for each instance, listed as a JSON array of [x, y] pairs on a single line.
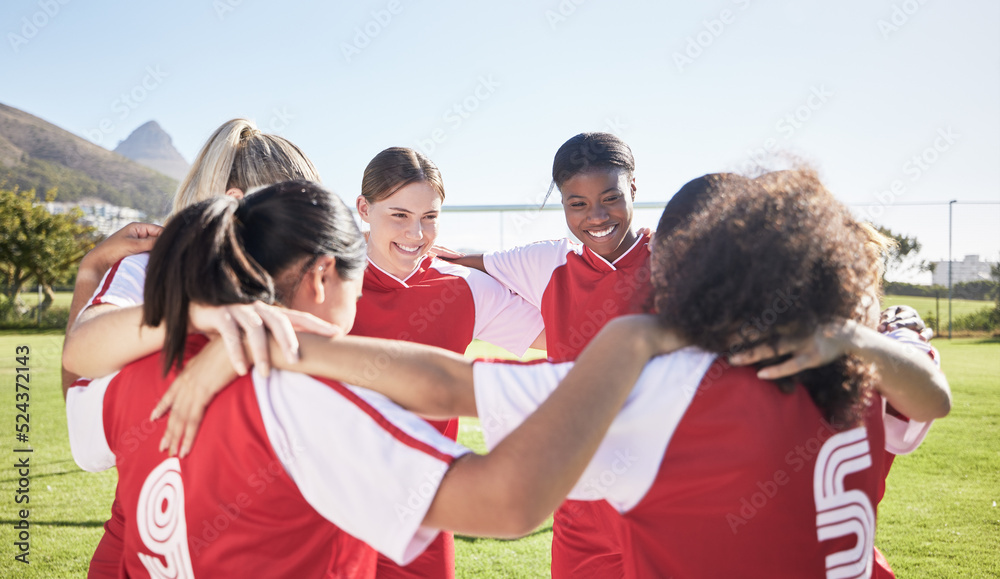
[[400, 209], [608, 190]]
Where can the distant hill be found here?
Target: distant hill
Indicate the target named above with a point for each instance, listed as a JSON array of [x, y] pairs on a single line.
[[35, 154], [150, 146]]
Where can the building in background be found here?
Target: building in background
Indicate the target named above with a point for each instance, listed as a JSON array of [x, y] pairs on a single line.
[[103, 216], [969, 269]]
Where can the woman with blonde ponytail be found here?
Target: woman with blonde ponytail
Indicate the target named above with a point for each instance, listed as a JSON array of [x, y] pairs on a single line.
[[236, 159]]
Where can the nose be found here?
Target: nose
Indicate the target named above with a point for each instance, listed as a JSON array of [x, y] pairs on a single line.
[[598, 214], [415, 231]]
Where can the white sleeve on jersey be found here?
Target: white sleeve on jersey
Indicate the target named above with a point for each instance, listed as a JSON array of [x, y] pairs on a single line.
[[526, 270], [123, 284], [503, 318], [361, 461], [85, 422], [905, 436], [629, 457]]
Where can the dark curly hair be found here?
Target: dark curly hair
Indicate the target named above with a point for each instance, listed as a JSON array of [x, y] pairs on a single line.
[[766, 259]]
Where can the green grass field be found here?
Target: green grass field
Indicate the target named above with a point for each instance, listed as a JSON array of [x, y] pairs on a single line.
[[929, 307], [938, 519]]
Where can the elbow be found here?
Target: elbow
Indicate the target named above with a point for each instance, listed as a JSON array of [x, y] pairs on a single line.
[[944, 406], [70, 356], [518, 520], [520, 511], [939, 407]]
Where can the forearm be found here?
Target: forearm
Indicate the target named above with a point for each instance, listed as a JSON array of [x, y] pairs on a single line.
[[511, 490], [909, 380], [88, 278], [473, 261], [429, 381], [105, 343]]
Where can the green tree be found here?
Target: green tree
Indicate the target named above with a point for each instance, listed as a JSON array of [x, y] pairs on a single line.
[[36, 245], [902, 257]]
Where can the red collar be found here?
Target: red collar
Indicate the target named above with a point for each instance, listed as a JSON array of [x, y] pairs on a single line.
[[378, 278], [638, 253]]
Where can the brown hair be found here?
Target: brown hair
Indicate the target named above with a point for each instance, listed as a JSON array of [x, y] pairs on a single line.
[[395, 168], [768, 259]]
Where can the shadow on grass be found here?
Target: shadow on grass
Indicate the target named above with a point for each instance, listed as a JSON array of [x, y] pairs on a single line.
[[56, 523], [47, 475], [537, 531], [8, 331]]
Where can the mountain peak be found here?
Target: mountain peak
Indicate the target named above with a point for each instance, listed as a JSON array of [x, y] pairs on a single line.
[[151, 146]]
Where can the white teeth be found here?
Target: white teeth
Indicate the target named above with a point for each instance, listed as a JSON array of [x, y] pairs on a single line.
[[409, 249], [602, 233]]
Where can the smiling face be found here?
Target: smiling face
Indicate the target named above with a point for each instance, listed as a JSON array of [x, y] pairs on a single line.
[[403, 227], [598, 208]]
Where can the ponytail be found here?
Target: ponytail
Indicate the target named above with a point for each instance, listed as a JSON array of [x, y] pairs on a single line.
[[223, 251], [199, 257], [238, 155]]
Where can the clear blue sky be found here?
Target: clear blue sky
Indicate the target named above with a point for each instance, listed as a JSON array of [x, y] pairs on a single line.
[[872, 83]]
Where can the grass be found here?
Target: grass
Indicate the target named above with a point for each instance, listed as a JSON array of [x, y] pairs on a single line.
[[937, 519], [928, 307], [940, 515]]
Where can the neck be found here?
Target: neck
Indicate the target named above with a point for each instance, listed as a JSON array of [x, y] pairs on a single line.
[[619, 251], [384, 266]]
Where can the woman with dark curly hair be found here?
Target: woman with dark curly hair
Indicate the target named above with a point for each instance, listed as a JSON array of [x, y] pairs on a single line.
[[719, 470]]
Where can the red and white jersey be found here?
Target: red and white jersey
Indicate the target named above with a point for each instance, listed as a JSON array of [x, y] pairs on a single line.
[[285, 467], [576, 290], [445, 305], [715, 472], [904, 435], [123, 284]]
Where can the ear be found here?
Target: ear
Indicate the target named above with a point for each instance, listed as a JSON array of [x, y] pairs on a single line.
[[235, 193], [364, 208], [317, 278], [632, 186]]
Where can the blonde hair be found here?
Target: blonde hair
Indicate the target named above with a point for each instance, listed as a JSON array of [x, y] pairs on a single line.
[[878, 246], [395, 168], [238, 155]]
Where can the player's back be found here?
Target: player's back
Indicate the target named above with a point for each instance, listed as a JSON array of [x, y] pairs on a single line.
[[228, 508], [754, 483]]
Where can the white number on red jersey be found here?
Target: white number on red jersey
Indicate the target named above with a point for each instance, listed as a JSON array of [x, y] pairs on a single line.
[[839, 512], [162, 525]]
